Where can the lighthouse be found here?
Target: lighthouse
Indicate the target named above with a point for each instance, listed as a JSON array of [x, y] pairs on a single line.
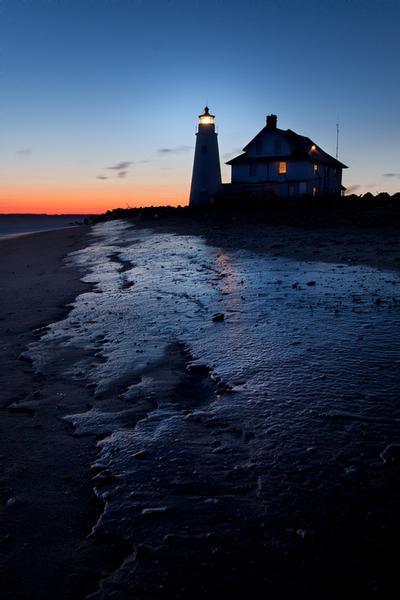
[[206, 176]]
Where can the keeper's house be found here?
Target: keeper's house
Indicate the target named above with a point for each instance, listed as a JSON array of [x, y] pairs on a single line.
[[280, 163]]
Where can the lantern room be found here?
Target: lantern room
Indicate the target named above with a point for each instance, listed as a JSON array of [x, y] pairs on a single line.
[[206, 118]]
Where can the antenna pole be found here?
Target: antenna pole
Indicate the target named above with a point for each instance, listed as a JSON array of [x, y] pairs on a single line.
[[337, 140]]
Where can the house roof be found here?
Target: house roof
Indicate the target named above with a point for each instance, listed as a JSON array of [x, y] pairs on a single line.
[[246, 159], [303, 148]]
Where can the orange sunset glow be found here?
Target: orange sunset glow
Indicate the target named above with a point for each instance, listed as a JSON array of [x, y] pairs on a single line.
[[89, 199]]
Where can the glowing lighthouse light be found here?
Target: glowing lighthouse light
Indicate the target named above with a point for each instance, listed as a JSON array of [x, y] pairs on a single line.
[[206, 118]]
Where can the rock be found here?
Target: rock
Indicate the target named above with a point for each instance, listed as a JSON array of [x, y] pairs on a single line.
[[103, 478], [141, 454], [303, 533], [218, 317], [391, 454], [154, 511], [311, 283], [198, 368]]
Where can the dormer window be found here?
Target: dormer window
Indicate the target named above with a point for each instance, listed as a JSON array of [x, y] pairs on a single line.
[[282, 168]]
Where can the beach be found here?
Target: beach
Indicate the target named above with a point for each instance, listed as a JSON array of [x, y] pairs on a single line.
[[47, 500], [198, 406]]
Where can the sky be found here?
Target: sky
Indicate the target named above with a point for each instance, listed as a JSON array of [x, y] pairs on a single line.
[[99, 98]]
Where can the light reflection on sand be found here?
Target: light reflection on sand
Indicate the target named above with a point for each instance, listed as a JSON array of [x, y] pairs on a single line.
[[301, 391]]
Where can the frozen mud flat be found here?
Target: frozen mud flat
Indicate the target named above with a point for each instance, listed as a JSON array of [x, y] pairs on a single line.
[[256, 453]]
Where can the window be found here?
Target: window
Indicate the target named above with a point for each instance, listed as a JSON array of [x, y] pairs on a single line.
[[282, 168], [315, 168], [277, 147], [259, 146], [314, 191], [253, 169]]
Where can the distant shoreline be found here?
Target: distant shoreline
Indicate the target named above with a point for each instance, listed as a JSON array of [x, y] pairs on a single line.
[[26, 224], [9, 236]]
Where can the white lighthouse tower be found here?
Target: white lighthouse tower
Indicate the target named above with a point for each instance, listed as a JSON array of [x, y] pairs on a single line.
[[206, 176]]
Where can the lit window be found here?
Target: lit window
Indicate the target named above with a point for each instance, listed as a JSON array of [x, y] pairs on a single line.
[[253, 170], [282, 168], [315, 168], [314, 191]]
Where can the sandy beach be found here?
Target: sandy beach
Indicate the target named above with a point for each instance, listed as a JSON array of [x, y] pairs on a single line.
[[48, 506], [217, 411]]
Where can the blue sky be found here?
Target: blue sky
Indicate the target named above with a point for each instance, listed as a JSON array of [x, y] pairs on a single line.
[[87, 84]]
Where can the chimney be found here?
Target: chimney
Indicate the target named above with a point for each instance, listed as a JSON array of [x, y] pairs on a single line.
[[272, 121]]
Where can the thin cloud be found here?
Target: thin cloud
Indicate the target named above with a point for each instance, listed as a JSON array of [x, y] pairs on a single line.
[[177, 150], [24, 151], [352, 188], [121, 166], [395, 175], [232, 153], [101, 177]]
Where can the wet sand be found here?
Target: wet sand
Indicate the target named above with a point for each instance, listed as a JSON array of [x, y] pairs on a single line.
[[377, 247], [48, 504]]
